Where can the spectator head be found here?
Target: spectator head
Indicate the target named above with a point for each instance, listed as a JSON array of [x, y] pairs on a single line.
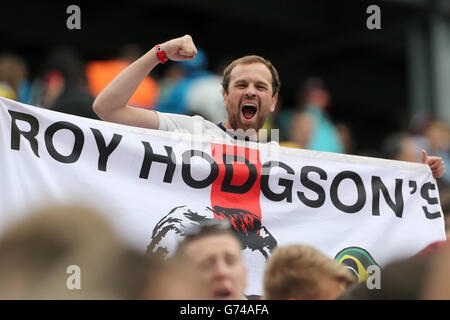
[[438, 136], [400, 146], [250, 92], [36, 253], [301, 129], [13, 70], [303, 273], [437, 284], [213, 248], [66, 61], [63, 68]]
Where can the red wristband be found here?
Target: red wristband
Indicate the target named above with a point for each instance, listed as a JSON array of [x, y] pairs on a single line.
[[161, 54]]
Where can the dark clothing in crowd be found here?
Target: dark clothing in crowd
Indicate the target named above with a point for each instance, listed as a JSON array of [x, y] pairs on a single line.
[[75, 101]]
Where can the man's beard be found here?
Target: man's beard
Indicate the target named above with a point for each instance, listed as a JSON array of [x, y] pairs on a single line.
[[235, 123]]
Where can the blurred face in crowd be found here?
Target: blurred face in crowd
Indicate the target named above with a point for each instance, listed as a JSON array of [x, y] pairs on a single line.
[[408, 151], [175, 281], [218, 259], [438, 135], [249, 100], [319, 98]]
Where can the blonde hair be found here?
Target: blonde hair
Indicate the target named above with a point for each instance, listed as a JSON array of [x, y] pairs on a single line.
[[297, 270]]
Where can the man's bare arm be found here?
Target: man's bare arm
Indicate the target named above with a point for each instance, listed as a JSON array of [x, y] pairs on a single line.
[[111, 104]]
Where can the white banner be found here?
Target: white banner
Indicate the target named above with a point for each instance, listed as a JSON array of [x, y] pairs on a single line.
[[151, 184]]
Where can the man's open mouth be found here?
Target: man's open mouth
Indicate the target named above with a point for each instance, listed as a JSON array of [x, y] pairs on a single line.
[[249, 110]]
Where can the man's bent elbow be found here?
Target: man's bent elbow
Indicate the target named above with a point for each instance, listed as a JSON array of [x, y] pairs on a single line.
[[99, 109]]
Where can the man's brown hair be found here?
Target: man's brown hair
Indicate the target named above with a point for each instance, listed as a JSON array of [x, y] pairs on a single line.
[[208, 228], [248, 60], [295, 271]]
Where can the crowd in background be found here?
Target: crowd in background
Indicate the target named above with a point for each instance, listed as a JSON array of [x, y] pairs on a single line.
[[72, 252], [68, 84]]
